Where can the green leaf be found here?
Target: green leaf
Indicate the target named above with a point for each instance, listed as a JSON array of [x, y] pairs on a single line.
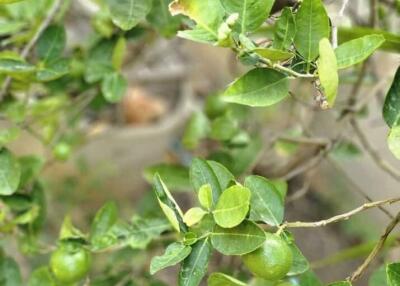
[[51, 43], [41, 277], [258, 87], [357, 50], [207, 14], [9, 272], [105, 218], [53, 70], [8, 135], [119, 53], [201, 174], [143, 230], [378, 277], [193, 216], [252, 13], [205, 196], [312, 24], [9, 1], [175, 253], [273, 55], [198, 34], [391, 107], [281, 186], [224, 176], [221, 279], [68, 230], [114, 87], [300, 263], [176, 177], [239, 240], [285, 30], [13, 67], [197, 129], [10, 173], [340, 283], [309, 279], [99, 61], [162, 20], [232, 207], [393, 274], [327, 71], [394, 141], [266, 202], [168, 205], [126, 14], [194, 267], [223, 128]]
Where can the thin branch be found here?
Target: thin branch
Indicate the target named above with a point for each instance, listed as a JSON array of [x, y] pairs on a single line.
[[379, 161], [28, 47], [361, 269], [336, 21], [341, 217]]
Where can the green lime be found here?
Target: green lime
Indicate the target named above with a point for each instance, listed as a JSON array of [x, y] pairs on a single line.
[[70, 264], [272, 261], [62, 151]]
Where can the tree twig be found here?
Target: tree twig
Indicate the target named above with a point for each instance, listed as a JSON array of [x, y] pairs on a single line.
[[379, 161], [341, 217], [361, 269], [28, 47]]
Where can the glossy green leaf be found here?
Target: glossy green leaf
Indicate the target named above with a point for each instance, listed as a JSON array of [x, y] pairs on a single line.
[[199, 35], [9, 272], [281, 186], [208, 15], [114, 87], [393, 274], [232, 206], [126, 14], [205, 196], [51, 44], [394, 141], [224, 176], [196, 129], [15, 67], [357, 50], [160, 18], [258, 87], [221, 279], [312, 24], [193, 216], [327, 71], [300, 264], [252, 13], [105, 218], [41, 277], [169, 205], [285, 30], [239, 240], [194, 267], [10, 173], [53, 70], [175, 253], [391, 107], [223, 128], [176, 177], [201, 174], [273, 55], [266, 202]]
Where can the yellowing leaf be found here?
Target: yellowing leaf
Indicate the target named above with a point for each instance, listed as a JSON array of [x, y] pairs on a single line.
[[327, 71]]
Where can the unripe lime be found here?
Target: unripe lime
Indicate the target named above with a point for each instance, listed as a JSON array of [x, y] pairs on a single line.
[[62, 151], [70, 264], [272, 261]]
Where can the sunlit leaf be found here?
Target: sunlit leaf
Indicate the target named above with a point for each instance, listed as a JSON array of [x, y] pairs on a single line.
[[327, 71], [221, 279], [10, 173]]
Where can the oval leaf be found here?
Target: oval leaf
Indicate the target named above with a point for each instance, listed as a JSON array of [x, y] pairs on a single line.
[[114, 87], [175, 253], [285, 30], [221, 279], [391, 108], [258, 87], [193, 216], [393, 274], [10, 173], [327, 71], [266, 202], [232, 206], [239, 240], [126, 14], [273, 54], [357, 50]]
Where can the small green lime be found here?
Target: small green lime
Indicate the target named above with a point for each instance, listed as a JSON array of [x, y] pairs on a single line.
[[70, 264], [62, 151], [272, 261]]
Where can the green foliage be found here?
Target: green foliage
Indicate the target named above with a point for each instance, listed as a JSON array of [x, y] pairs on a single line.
[[393, 274], [10, 172], [221, 279], [175, 253], [327, 70], [126, 14]]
